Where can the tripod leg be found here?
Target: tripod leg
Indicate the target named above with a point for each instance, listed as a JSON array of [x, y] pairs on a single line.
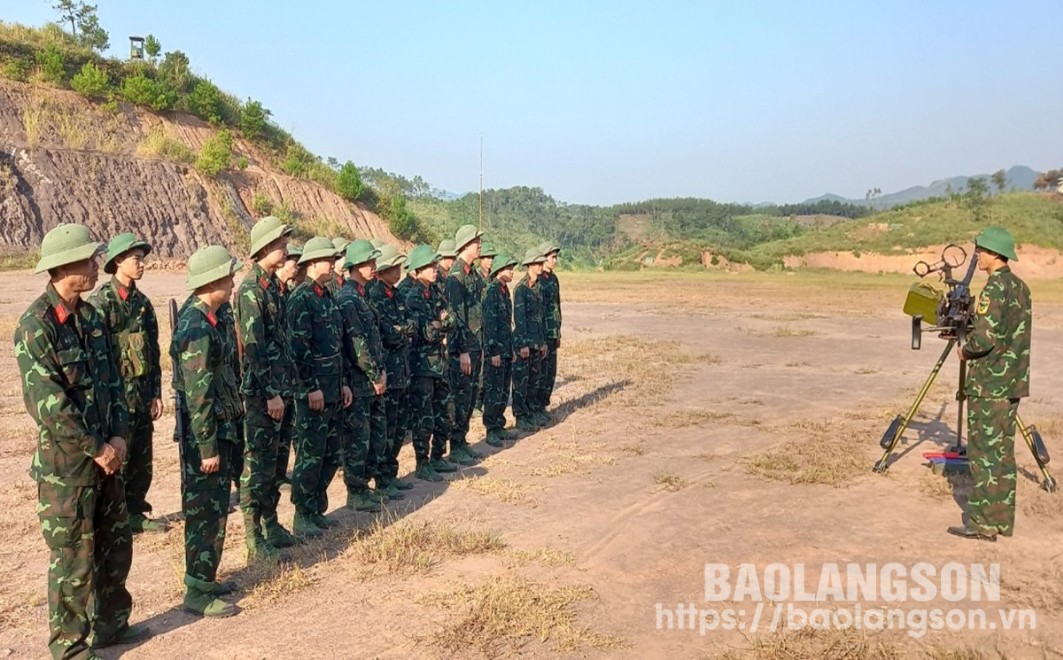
[[961, 398], [1040, 453], [900, 423]]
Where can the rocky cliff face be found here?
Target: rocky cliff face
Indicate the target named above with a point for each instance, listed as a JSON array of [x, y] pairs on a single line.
[[64, 159]]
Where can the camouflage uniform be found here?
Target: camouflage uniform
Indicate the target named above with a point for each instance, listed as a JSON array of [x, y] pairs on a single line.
[[998, 358], [334, 284], [428, 392], [73, 391], [284, 442], [365, 424], [316, 331], [498, 341], [203, 373], [395, 333], [266, 362], [550, 291], [134, 330], [233, 349], [528, 333], [464, 289]]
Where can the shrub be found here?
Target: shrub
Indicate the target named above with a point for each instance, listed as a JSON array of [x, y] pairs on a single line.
[[16, 69], [138, 89], [242, 163], [159, 145], [349, 182], [92, 81], [216, 154], [262, 205], [253, 119], [205, 101], [297, 159], [50, 61]]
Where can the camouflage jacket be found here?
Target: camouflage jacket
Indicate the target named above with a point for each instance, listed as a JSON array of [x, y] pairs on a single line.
[[403, 288], [550, 290], [263, 331], [134, 330], [203, 372], [316, 331], [424, 304], [528, 315], [498, 321], [71, 388], [334, 284], [395, 332], [465, 289], [998, 346], [364, 354]]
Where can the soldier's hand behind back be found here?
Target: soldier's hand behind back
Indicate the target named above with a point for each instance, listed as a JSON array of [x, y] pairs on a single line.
[[156, 409], [107, 459], [210, 465], [120, 448], [524, 353], [496, 360], [275, 408], [465, 362], [316, 400], [348, 397]]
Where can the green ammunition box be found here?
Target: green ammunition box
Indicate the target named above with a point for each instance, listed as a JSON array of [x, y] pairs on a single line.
[[923, 300]]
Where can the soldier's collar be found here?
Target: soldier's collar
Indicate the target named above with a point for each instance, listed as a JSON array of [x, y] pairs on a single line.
[[59, 307], [212, 318], [122, 290]]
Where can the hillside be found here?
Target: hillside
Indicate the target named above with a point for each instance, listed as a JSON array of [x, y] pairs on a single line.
[[66, 159]]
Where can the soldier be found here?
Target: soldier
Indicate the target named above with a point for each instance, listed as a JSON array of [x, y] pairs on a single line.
[[427, 309], [447, 254], [203, 373], [290, 275], [365, 423], [395, 333], [227, 326], [134, 331], [529, 341], [550, 290], [464, 289], [335, 282], [266, 388], [498, 349], [73, 391], [997, 351], [316, 331], [487, 256]]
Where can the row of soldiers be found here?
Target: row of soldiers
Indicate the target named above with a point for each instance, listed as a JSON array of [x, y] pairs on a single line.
[[326, 347]]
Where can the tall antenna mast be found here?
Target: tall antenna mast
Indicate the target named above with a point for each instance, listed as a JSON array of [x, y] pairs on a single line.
[[481, 183]]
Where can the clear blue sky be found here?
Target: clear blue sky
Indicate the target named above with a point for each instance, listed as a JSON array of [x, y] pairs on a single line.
[[603, 102]]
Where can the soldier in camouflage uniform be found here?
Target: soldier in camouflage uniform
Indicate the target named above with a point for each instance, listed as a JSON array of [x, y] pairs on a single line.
[[427, 309], [316, 331], [339, 273], [487, 256], [73, 391], [498, 349], [550, 290], [204, 376], [266, 387], [464, 289], [395, 333], [290, 275], [529, 342], [365, 421], [997, 351], [134, 330]]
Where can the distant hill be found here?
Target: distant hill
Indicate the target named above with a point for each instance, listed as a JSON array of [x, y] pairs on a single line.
[[1019, 178]]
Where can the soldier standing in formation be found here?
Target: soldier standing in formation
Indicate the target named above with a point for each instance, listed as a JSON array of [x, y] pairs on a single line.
[[134, 329], [290, 275], [529, 342], [204, 375], [550, 290], [997, 351], [464, 291], [498, 349]]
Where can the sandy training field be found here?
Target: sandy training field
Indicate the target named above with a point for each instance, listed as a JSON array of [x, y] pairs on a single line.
[[714, 440]]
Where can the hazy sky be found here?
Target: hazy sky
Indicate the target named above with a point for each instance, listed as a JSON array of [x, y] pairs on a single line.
[[603, 102]]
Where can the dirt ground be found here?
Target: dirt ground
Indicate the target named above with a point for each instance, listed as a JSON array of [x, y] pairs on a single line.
[[700, 419]]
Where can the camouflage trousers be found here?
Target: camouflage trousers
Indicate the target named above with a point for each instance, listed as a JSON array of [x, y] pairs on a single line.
[[284, 443], [464, 391], [395, 416], [991, 456], [138, 465], [547, 376], [87, 531], [259, 488], [236, 462], [205, 504], [318, 454], [525, 379], [497, 382], [365, 441], [428, 417]]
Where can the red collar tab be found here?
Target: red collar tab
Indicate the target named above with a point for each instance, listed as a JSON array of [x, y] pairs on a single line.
[[465, 267], [361, 290], [319, 291], [123, 292], [427, 295], [264, 282], [61, 314], [213, 320], [502, 286], [389, 292], [339, 280]]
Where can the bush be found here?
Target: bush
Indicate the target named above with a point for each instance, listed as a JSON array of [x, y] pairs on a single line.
[[16, 69], [50, 61], [297, 159], [92, 81], [205, 101], [253, 120], [216, 155], [159, 145], [138, 89], [262, 205], [349, 182]]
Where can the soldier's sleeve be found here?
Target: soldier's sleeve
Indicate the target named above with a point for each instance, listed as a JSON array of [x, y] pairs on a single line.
[[250, 310], [119, 407], [420, 313], [457, 341], [492, 322], [43, 392], [151, 326], [198, 381], [983, 337], [390, 334], [520, 318], [301, 333], [358, 343], [557, 303]]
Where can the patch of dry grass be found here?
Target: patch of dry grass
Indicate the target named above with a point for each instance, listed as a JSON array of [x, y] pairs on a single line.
[[816, 453], [507, 490], [571, 457], [545, 556], [634, 449], [416, 547], [275, 581], [848, 644], [670, 481], [506, 615], [787, 331]]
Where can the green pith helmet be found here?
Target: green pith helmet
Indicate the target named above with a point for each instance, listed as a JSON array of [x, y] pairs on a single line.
[[389, 257], [340, 243], [317, 247], [378, 243], [466, 234], [295, 250], [210, 264], [502, 261], [118, 246], [999, 240], [265, 231], [546, 247], [66, 244], [421, 256], [488, 250], [533, 256], [359, 252], [447, 250]]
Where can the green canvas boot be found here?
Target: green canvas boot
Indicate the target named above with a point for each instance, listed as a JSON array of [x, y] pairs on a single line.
[[527, 424], [322, 522], [225, 587], [400, 484], [258, 549], [388, 489], [200, 598], [494, 438], [460, 455], [303, 525], [359, 500], [139, 523], [441, 466], [425, 472], [275, 533]]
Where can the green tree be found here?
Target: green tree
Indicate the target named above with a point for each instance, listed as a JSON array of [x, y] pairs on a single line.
[[175, 72], [50, 61], [1000, 180], [349, 183], [253, 118], [216, 155], [84, 23], [205, 101], [91, 81], [138, 89], [152, 47]]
